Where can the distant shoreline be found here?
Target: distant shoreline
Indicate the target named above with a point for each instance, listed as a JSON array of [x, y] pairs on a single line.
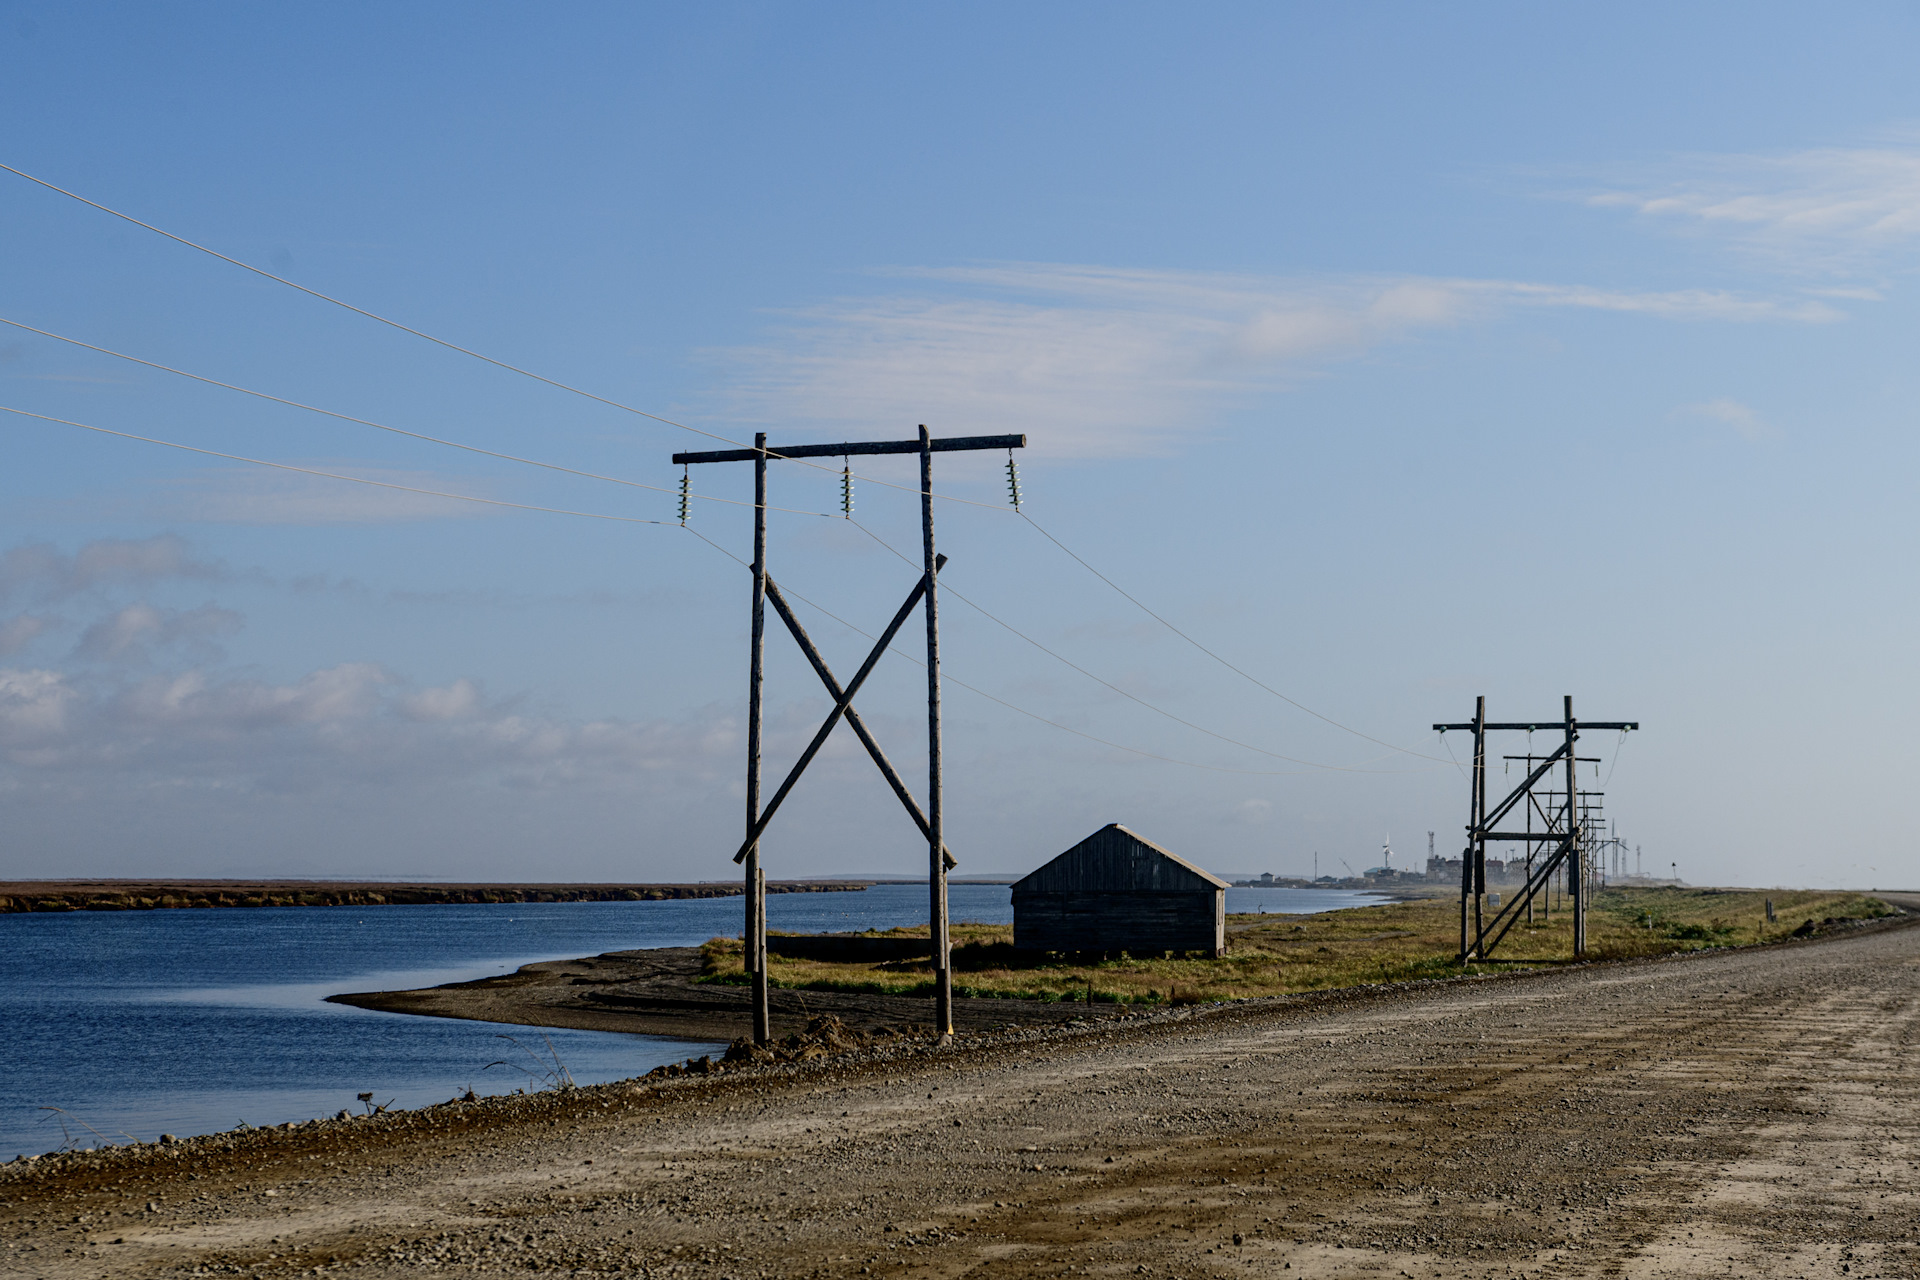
[[20, 896]]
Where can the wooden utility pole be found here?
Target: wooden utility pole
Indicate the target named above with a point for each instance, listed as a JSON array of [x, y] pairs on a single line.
[[936, 864], [754, 946], [1476, 815], [931, 823], [1578, 857]]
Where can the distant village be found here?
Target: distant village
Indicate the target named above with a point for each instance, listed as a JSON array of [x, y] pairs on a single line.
[[1439, 872]]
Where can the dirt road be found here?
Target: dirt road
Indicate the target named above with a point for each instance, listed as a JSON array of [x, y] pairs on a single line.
[[1749, 1113]]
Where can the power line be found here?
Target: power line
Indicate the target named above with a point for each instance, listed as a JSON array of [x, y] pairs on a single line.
[[381, 426], [442, 342], [332, 475], [362, 311], [595, 515], [1216, 657], [563, 386], [1031, 715], [1108, 684]]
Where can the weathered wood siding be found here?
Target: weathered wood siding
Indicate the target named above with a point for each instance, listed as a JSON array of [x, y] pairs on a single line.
[[1143, 923], [1115, 891]]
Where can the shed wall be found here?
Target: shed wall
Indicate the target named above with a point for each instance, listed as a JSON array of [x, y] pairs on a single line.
[[1142, 921]]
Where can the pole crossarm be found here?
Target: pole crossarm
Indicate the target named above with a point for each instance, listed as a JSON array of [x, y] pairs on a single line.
[[840, 706], [950, 444], [1531, 726], [854, 721]]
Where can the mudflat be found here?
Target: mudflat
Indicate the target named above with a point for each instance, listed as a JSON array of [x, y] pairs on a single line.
[[1740, 1112], [657, 992]]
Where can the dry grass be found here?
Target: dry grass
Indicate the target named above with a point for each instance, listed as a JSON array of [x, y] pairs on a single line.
[[1273, 954]]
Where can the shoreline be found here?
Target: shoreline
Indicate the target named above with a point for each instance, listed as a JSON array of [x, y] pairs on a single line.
[[655, 991], [23, 896]]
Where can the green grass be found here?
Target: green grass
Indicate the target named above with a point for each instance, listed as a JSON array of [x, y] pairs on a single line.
[[1275, 954]]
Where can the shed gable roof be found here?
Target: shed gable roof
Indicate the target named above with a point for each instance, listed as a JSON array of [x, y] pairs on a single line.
[[1115, 859]]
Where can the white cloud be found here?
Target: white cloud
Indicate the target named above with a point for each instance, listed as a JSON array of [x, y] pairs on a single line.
[[1745, 423], [132, 633], [448, 702], [258, 496], [352, 724], [1114, 360], [42, 572], [1827, 208]]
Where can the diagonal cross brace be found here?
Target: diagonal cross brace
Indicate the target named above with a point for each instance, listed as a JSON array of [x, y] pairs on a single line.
[[1532, 889], [1524, 789], [840, 706], [854, 721]]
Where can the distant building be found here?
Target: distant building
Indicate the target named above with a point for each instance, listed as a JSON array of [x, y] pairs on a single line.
[[1117, 892]]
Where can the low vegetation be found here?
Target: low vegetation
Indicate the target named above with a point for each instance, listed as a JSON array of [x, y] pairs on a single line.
[[1274, 954]]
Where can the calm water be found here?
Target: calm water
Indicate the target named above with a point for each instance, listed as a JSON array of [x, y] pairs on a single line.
[[137, 1023]]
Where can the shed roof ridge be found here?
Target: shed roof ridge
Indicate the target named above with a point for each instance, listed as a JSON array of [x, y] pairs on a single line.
[[1171, 856]]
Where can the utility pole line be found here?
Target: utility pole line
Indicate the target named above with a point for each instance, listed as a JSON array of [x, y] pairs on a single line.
[[1568, 829]]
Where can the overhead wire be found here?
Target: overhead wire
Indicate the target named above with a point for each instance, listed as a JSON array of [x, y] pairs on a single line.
[[949, 678], [362, 311], [442, 342], [1618, 747], [563, 386], [1108, 684], [683, 493], [1252, 679], [381, 426], [331, 475], [595, 515]]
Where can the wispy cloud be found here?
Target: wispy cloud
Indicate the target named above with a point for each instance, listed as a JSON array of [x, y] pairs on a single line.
[[1824, 209], [131, 635], [1123, 361], [1740, 418]]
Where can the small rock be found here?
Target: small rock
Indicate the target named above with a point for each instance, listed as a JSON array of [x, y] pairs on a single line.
[[167, 1139]]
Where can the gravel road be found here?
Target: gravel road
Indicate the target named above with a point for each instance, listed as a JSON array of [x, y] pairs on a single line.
[[1742, 1113]]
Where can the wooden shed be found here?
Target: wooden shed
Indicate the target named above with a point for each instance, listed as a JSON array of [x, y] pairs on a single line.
[[1116, 892]]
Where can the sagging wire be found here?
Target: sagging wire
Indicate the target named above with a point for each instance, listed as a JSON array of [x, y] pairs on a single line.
[[1616, 758]]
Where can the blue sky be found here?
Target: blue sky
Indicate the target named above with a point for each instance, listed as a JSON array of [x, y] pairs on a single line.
[[1394, 354]]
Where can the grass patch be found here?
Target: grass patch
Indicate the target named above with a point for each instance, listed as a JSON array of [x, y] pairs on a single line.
[[1274, 954]]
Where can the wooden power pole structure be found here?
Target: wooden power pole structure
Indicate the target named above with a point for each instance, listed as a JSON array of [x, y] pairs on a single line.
[[930, 822], [1565, 833]]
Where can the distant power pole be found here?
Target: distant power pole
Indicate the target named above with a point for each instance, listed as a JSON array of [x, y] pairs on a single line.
[[1567, 842], [1429, 848]]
